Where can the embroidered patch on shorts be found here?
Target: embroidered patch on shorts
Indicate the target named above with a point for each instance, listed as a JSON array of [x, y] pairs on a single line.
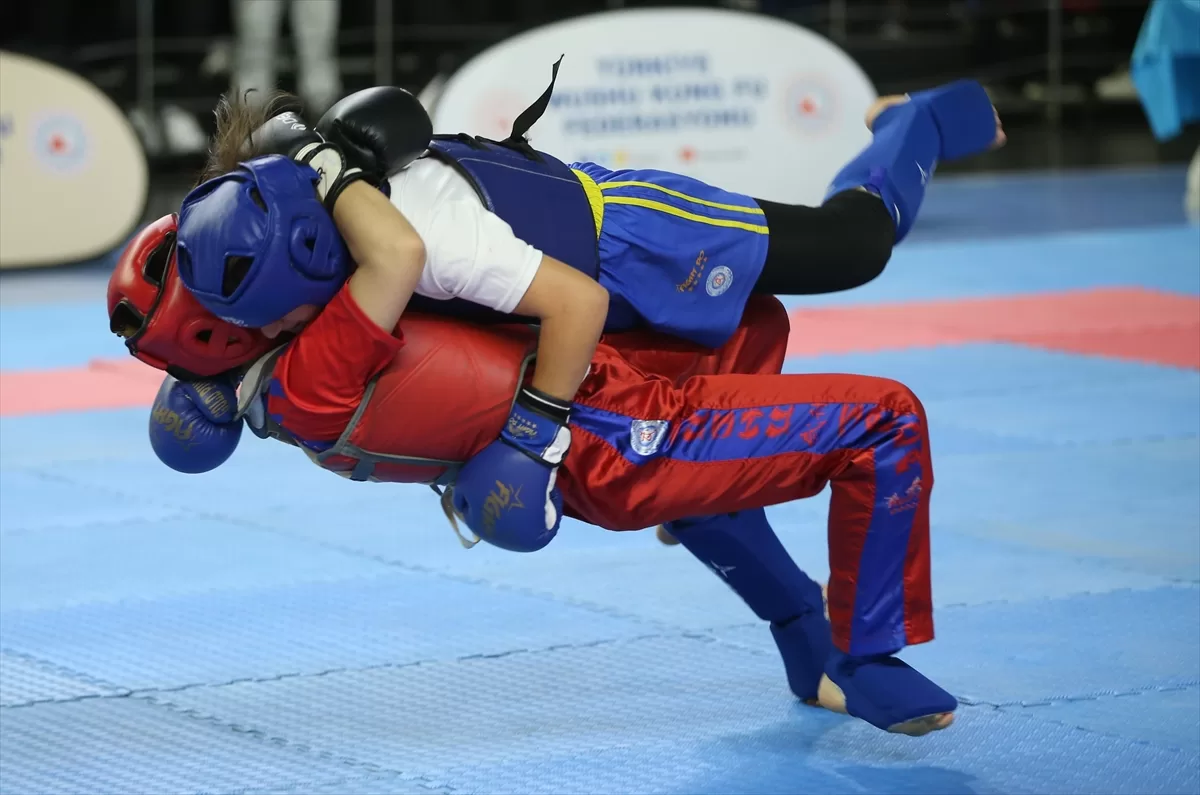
[[719, 279], [646, 436]]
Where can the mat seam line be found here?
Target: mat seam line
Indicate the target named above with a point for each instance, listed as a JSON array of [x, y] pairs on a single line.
[[148, 695], [301, 748], [705, 635], [365, 555], [1018, 711], [464, 579], [1097, 695], [293, 785], [151, 692], [48, 666]]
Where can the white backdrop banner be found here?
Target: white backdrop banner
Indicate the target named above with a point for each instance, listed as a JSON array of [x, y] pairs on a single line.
[[73, 175], [746, 102]]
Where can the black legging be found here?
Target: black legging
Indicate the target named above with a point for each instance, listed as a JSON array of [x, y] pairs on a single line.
[[843, 244]]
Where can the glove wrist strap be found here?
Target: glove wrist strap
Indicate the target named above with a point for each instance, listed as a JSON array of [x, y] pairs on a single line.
[[549, 406], [330, 164]]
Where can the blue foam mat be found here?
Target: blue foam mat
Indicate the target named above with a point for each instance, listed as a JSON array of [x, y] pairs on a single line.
[[25, 680], [990, 206], [35, 500], [122, 746], [151, 559], [746, 728], [1129, 412], [996, 369], [395, 619], [1004, 653], [1165, 717], [1021, 265], [270, 628]]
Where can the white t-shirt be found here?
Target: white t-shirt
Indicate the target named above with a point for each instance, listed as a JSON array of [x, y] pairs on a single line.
[[470, 252]]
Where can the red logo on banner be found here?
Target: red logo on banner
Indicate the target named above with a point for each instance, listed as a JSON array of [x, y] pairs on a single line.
[[60, 143], [811, 104]]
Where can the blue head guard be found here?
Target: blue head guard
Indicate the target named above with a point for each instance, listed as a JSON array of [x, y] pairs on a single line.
[[256, 243]]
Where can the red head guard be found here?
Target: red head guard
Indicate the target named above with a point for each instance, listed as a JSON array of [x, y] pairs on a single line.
[[162, 323]]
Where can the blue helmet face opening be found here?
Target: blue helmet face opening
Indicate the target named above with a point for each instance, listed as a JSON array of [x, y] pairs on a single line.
[[257, 243]]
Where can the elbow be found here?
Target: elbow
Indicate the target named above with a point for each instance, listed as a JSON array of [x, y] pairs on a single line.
[[412, 252], [868, 234], [403, 256]]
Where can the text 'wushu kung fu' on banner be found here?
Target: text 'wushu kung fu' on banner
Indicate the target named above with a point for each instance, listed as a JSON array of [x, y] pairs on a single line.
[[747, 102]]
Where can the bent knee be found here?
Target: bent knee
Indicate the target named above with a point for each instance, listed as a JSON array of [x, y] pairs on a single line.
[[871, 247], [899, 398], [871, 259]]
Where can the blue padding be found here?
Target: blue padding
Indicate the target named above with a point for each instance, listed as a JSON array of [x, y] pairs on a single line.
[[974, 559], [897, 164], [995, 207], [1164, 717], [25, 681], [78, 333], [979, 369], [1163, 408], [622, 718], [34, 500], [1065, 649], [372, 783], [95, 436], [964, 116], [396, 619], [261, 475], [1032, 652], [146, 558], [675, 691], [1021, 265], [114, 746]]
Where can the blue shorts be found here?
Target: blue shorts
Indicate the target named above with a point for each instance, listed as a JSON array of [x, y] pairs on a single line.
[[676, 255]]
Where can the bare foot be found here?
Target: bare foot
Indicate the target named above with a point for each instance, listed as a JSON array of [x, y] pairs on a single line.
[[831, 697], [882, 104], [665, 537], [1001, 137]]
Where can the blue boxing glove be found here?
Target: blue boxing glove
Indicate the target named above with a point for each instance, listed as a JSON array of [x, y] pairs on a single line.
[[506, 492], [192, 425]]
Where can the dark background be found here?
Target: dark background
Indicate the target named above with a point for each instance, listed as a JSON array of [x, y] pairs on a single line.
[[1055, 68]]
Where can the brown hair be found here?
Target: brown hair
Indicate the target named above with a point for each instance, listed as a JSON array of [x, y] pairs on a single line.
[[237, 120]]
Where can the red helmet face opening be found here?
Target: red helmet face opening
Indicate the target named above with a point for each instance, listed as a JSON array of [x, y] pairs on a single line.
[[163, 324]]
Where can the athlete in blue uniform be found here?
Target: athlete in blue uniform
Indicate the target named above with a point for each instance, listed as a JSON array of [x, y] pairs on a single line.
[[672, 252]]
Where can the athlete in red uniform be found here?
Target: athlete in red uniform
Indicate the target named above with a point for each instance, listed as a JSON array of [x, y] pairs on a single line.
[[664, 431], [658, 431]]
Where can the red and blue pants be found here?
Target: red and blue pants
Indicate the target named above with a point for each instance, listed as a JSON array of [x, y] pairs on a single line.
[[650, 449]]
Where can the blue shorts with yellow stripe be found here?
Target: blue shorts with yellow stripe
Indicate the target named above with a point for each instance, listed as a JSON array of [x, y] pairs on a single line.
[[676, 255]]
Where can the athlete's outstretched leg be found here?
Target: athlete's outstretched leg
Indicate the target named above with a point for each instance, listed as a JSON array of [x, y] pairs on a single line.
[[743, 550], [646, 452], [874, 200]]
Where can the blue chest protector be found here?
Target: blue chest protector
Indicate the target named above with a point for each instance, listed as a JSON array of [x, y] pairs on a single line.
[[533, 192]]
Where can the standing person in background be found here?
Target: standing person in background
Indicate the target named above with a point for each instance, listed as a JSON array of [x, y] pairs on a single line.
[[169, 128], [314, 32]]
